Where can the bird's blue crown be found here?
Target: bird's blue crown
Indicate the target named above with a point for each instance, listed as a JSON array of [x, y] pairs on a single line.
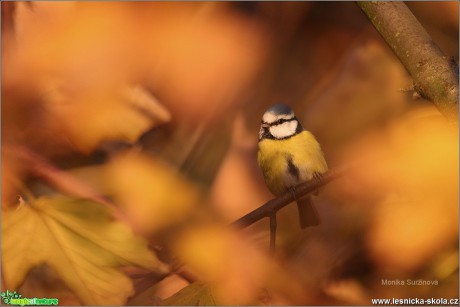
[[280, 108]]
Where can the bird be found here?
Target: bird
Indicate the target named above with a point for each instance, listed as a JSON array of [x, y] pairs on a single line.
[[288, 155]]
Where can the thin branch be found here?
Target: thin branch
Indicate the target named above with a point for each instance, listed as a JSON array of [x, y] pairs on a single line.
[[269, 209], [272, 206], [435, 75], [61, 180], [176, 267], [272, 233]]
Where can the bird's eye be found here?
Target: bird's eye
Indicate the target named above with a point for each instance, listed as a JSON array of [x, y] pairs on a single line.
[[280, 121]]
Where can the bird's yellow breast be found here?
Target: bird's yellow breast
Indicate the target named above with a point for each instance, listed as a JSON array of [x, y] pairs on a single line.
[[275, 156]]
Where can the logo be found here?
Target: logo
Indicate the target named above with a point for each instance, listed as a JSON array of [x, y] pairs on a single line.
[[16, 299]]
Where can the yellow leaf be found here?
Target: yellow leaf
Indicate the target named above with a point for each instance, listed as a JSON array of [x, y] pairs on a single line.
[[80, 241], [153, 194]]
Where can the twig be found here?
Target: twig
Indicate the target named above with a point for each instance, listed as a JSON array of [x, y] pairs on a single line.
[[272, 233], [269, 209], [272, 206], [66, 183], [176, 267], [435, 75]]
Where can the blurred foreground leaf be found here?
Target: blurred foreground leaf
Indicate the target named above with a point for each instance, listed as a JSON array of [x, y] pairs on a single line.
[[80, 241], [152, 194], [110, 114], [195, 294], [411, 169]]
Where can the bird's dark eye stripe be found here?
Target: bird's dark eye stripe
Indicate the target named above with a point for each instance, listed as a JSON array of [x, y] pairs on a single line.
[[279, 121], [282, 120]]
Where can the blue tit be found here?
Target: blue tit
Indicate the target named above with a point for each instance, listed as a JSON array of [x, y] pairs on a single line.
[[289, 155]]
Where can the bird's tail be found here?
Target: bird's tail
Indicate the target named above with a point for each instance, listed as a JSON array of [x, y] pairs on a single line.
[[308, 216]]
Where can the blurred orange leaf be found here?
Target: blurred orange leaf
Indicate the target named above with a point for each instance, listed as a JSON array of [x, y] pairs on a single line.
[[153, 194], [413, 167]]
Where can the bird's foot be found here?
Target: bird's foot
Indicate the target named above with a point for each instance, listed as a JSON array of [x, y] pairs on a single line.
[[292, 191], [317, 176]]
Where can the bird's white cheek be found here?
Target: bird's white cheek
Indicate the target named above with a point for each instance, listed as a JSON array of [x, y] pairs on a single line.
[[284, 130]]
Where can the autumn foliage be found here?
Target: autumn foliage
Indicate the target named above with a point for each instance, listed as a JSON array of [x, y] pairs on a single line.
[[129, 141]]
